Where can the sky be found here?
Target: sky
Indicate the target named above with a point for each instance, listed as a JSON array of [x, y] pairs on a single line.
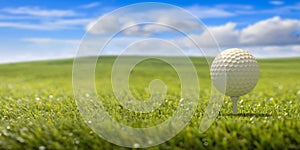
[[53, 29]]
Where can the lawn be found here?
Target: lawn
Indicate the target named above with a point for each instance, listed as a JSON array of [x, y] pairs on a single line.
[[38, 109]]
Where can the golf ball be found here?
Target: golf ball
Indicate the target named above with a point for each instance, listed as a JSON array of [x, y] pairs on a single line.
[[238, 68]]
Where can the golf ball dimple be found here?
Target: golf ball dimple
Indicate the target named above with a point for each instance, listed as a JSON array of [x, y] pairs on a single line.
[[240, 70]]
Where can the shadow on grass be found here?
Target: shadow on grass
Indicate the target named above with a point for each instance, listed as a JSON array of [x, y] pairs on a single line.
[[248, 115]]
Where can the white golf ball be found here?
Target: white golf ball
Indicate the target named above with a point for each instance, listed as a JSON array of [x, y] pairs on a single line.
[[240, 70]]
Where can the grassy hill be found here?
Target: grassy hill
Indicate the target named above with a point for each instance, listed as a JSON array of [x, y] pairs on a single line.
[[38, 109]]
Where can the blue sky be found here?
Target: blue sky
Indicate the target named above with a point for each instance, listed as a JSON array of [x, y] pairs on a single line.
[[37, 30]]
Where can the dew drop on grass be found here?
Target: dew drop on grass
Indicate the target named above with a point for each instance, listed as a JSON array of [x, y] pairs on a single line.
[[4, 118], [42, 147], [136, 145], [150, 142], [251, 118], [77, 142], [87, 95], [37, 98], [19, 139], [181, 100], [205, 143], [5, 133], [89, 122]]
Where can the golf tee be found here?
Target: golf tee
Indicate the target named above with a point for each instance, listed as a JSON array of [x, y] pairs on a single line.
[[234, 103]]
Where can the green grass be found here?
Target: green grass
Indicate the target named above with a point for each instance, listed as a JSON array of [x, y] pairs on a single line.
[[38, 109]]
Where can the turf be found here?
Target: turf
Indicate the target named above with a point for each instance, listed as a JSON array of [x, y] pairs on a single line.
[[38, 109]]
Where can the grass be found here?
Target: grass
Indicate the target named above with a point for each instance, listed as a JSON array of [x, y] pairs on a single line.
[[38, 110]]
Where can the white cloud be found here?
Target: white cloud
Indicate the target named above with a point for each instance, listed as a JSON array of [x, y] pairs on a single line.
[[153, 46], [33, 49], [163, 24], [36, 11], [270, 32], [277, 49], [225, 35], [209, 12], [276, 2], [65, 23], [134, 23], [131, 28], [281, 51], [104, 25], [176, 18], [182, 24], [172, 17], [50, 41], [22, 26], [48, 25], [234, 6], [35, 18], [273, 31], [282, 10], [90, 5], [14, 17]]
